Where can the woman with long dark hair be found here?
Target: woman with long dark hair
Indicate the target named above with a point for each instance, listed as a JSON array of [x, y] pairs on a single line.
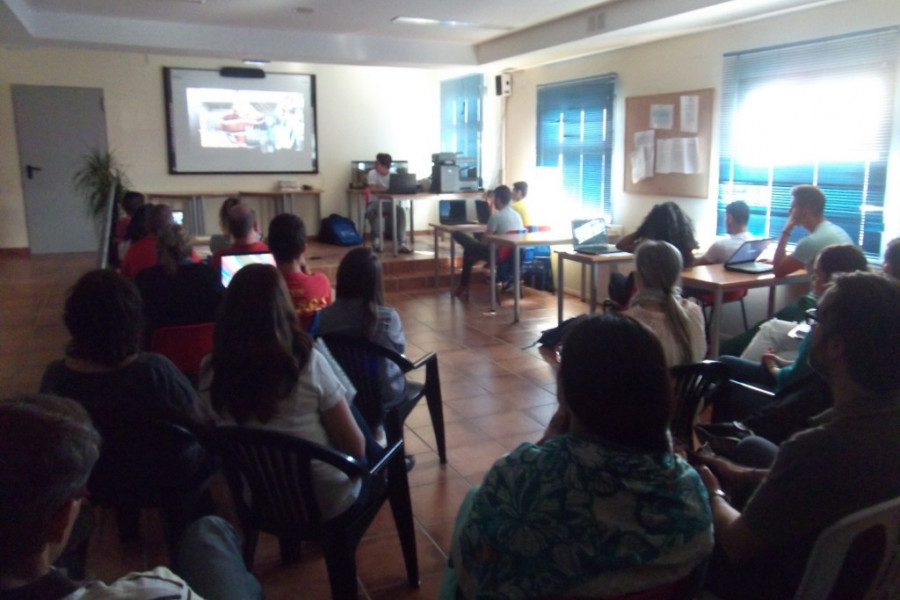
[[265, 373]]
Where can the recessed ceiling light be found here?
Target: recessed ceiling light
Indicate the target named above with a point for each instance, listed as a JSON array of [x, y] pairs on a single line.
[[447, 23], [303, 10]]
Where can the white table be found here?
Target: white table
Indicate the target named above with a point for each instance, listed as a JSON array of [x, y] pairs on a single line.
[[612, 259]]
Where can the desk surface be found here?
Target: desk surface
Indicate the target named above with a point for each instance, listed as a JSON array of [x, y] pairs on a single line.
[[275, 193], [427, 195], [460, 227], [537, 238], [588, 259], [711, 277]]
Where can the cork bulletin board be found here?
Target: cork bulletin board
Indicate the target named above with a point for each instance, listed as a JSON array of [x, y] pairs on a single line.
[[667, 143]]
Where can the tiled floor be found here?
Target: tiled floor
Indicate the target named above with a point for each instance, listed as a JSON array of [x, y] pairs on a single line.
[[497, 393]]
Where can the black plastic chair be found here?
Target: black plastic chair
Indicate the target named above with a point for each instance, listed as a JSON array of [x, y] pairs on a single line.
[[272, 485], [696, 385], [361, 359]]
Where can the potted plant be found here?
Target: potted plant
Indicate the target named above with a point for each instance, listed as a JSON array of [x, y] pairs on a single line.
[[101, 170]]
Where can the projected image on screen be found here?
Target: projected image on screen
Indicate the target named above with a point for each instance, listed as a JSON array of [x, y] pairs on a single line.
[[231, 125]]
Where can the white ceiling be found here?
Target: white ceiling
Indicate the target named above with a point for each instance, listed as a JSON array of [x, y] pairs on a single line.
[[523, 32]]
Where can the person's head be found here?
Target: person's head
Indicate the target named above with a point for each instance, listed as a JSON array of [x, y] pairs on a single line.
[[502, 196], [259, 348], [103, 314], [48, 447], [383, 162], [837, 258], [131, 201], [807, 205], [173, 247], [159, 218], [857, 332], [520, 190], [227, 205], [241, 221], [360, 277], [737, 215], [618, 389], [287, 238], [657, 266], [137, 227], [891, 264], [668, 222]]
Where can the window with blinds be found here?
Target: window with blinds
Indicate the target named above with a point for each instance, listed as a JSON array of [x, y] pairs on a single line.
[[818, 112], [461, 122], [574, 143]]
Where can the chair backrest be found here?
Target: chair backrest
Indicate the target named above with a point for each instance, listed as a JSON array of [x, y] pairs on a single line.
[[271, 478], [685, 588], [184, 345], [857, 558], [362, 360], [505, 253], [695, 385]]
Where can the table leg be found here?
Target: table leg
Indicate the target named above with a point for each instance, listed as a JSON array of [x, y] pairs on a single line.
[[583, 296], [452, 264], [437, 262], [559, 289], [517, 282], [394, 224], [412, 219], [492, 250], [379, 223], [716, 323], [593, 306], [771, 306]]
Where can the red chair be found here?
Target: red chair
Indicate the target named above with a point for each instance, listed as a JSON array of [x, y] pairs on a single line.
[[707, 300], [184, 345]]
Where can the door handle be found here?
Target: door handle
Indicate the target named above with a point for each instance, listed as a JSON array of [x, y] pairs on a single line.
[[30, 170]]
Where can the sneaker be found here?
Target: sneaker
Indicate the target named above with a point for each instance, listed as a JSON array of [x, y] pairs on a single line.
[[376, 245], [404, 249]]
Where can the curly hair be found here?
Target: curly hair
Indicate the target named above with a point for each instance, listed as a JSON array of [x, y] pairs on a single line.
[[667, 222], [103, 314]]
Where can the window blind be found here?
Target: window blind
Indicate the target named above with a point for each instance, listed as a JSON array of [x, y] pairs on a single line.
[[818, 112], [574, 138]]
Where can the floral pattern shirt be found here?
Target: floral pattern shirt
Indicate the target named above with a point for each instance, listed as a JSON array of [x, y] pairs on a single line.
[[585, 516]]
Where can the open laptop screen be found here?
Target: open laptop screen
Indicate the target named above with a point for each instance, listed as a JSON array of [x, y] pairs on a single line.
[[232, 263]]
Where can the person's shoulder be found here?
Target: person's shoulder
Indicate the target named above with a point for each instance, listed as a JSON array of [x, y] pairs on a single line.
[[147, 585]]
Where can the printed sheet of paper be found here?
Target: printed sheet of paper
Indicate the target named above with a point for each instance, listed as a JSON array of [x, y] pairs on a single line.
[[662, 116], [690, 114], [642, 157], [678, 155]]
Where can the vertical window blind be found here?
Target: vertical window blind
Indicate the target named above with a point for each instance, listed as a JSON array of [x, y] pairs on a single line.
[[817, 112], [461, 116], [574, 143]]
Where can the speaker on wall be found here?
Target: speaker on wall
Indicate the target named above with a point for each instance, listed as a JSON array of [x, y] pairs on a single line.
[[242, 72], [503, 84]]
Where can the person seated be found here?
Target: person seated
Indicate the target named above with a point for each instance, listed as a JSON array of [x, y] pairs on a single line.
[[143, 254], [220, 241], [265, 373], [124, 389], [48, 447], [503, 220], [666, 222], [519, 192], [178, 291], [602, 506], [359, 310], [808, 212], [310, 292], [773, 372], [379, 180], [737, 215], [848, 463], [119, 243], [244, 231], [676, 321]]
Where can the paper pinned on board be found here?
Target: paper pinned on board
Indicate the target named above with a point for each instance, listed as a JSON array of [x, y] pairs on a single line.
[[678, 155], [662, 116], [642, 157], [690, 114]]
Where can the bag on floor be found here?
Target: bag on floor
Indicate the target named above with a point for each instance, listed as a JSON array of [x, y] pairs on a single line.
[[339, 230], [550, 338]]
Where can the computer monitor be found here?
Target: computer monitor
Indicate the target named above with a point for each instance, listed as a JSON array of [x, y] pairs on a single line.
[[359, 171]]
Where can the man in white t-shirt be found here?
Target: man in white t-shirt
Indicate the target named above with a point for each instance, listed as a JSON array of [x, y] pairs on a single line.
[[48, 447], [379, 180], [737, 214]]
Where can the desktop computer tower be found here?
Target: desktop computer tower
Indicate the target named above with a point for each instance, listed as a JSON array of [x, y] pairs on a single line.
[[444, 178]]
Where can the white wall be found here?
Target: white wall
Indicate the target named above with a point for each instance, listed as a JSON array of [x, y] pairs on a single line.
[[361, 111]]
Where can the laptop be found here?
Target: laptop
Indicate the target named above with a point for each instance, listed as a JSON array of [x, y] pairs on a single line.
[[744, 259], [178, 217], [589, 236], [403, 183], [232, 263], [482, 211], [453, 212]]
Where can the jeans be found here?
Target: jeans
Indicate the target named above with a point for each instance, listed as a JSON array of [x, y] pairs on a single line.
[[209, 559], [473, 251]]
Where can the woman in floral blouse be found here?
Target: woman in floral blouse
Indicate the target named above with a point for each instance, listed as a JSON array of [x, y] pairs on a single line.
[[601, 506]]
